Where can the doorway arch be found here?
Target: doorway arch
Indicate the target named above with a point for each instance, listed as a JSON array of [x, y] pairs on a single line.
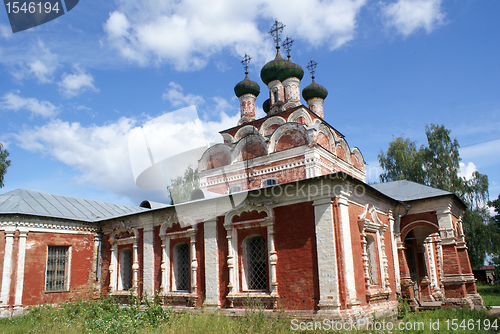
[[420, 262]]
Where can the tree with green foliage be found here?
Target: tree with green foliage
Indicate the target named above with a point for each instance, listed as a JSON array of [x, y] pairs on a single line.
[[181, 187], [437, 165], [495, 227], [4, 163]]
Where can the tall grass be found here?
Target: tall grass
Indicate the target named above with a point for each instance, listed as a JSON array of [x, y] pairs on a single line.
[[107, 316]]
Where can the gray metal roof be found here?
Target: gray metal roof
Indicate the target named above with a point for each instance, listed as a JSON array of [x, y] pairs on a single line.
[[408, 191], [30, 202]]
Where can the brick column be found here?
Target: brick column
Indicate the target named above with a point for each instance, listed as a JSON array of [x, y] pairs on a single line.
[[395, 238], [345, 230], [23, 233], [453, 280], [165, 264], [211, 264], [404, 271], [7, 265], [149, 267], [231, 261], [327, 255], [113, 269]]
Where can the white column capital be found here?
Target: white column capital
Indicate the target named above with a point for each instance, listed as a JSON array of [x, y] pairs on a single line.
[[9, 231], [23, 232], [343, 197], [322, 201]]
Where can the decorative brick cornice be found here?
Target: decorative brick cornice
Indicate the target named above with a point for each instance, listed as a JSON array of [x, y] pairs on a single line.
[[50, 226]]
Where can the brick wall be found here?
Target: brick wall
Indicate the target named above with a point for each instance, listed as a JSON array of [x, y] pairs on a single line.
[[223, 268], [297, 267], [81, 279], [2, 253]]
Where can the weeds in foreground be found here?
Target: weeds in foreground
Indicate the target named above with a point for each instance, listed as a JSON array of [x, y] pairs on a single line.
[[107, 316]]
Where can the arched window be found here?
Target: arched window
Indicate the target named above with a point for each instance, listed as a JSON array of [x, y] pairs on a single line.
[[126, 269], [181, 267], [372, 259], [255, 265]]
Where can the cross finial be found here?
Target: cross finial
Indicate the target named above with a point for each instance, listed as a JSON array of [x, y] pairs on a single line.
[[287, 45], [276, 30], [245, 62], [312, 67]]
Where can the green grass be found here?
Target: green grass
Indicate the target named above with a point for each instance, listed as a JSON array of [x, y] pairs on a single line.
[[108, 317], [489, 298]]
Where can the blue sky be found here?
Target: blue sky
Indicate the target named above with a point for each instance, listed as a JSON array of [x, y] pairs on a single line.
[[74, 89]]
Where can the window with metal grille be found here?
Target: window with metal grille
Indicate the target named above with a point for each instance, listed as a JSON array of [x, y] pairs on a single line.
[[234, 188], [181, 267], [269, 182], [57, 268], [126, 269], [256, 263], [372, 259]]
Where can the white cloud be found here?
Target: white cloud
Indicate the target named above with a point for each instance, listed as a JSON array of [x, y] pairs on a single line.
[[5, 31], [408, 16], [101, 155], [187, 33], [40, 65], [177, 98], [467, 171], [76, 83], [13, 101]]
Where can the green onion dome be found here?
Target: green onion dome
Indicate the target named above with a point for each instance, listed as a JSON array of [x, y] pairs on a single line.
[[270, 71], [266, 106], [314, 90], [247, 86], [290, 70]]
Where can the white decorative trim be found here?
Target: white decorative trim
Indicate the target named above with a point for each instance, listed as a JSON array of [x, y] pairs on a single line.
[[233, 250], [7, 265], [148, 261], [326, 254], [395, 237], [429, 252], [254, 139], [264, 171], [52, 226], [270, 122], [330, 135], [300, 113], [167, 290], [368, 221], [218, 148], [115, 260], [341, 142], [345, 234], [245, 130], [355, 151], [211, 264], [21, 257], [284, 129], [228, 139]]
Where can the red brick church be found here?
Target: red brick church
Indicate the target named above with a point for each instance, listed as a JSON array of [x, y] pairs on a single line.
[[283, 218]]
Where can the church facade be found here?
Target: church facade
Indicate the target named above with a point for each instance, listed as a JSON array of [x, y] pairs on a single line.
[[283, 219]]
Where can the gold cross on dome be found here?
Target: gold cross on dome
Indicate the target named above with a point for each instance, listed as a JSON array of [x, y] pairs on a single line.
[[276, 30], [287, 45], [312, 67], [245, 62]]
